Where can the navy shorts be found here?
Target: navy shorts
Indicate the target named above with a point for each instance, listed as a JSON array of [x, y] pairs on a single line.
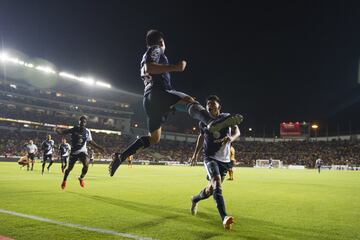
[[214, 167], [47, 157], [82, 157], [31, 156], [64, 159], [158, 104]]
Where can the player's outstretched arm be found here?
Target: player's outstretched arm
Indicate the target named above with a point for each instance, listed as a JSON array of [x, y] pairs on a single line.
[[156, 68], [62, 131], [97, 146], [199, 146], [235, 134]]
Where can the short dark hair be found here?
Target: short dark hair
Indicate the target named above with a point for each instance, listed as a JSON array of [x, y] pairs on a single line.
[[213, 98], [153, 37], [83, 117]]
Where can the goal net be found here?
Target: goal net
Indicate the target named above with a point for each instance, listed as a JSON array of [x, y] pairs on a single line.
[[265, 163]]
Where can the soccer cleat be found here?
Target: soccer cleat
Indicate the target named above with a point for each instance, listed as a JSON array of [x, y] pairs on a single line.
[[228, 222], [63, 185], [115, 163], [193, 208], [230, 179], [81, 181], [229, 121]]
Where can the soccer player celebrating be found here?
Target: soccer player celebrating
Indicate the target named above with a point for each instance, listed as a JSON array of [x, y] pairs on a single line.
[[64, 152], [80, 136], [233, 163], [47, 147], [160, 98], [216, 152], [31, 150]]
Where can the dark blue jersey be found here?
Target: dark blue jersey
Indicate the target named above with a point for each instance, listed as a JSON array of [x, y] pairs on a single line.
[[64, 149], [213, 146], [79, 137], [47, 147], [155, 81]]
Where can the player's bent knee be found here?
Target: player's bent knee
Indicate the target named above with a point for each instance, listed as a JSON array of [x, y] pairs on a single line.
[[188, 100]]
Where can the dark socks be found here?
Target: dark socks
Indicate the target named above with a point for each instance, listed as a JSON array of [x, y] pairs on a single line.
[[142, 142], [84, 171], [68, 170], [198, 112], [201, 196], [43, 166], [220, 204], [51, 162]]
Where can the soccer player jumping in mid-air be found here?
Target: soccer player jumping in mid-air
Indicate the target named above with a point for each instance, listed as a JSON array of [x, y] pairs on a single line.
[[80, 136], [216, 153], [160, 98]]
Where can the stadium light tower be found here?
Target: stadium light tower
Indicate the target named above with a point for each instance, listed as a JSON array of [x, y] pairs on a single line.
[[6, 58], [315, 127]]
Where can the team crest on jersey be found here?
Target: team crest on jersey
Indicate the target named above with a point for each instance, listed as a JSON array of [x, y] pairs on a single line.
[[155, 54]]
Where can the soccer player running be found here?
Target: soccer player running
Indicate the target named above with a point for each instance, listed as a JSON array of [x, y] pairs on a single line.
[[64, 152], [47, 147], [31, 150], [318, 163], [216, 153], [233, 163], [160, 98], [80, 136]]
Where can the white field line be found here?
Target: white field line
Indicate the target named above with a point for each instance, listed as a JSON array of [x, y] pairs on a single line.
[[71, 225]]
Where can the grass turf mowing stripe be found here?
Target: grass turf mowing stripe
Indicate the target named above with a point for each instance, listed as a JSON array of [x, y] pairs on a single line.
[[98, 230]]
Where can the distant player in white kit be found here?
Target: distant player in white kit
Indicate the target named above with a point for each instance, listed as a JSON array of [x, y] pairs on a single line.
[[318, 163], [31, 150]]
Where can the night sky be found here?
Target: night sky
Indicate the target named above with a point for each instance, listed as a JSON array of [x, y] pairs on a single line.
[[271, 61]]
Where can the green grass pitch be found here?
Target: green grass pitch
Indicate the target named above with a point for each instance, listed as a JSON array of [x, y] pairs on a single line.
[[154, 201]]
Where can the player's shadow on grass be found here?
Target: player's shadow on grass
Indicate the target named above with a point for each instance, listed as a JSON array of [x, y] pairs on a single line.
[[164, 213], [206, 224]]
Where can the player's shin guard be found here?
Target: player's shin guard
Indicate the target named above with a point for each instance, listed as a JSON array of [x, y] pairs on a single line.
[[201, 196], [43, 166], [68, 170], [198, 112], [220, 204], [84, 171], [142, 142], [51, 162]]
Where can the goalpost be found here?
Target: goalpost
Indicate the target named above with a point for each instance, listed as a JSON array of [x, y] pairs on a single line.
[[264, 163]]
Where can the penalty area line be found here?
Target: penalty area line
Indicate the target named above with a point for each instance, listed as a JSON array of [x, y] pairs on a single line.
[[78, 226]]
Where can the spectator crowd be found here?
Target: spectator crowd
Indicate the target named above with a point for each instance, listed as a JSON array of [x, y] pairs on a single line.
[[339, 152]]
